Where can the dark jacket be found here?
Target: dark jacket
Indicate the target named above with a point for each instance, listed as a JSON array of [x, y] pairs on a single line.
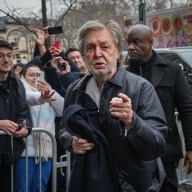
[[136, 153], [95, 173], [173, 92], [14, 108]]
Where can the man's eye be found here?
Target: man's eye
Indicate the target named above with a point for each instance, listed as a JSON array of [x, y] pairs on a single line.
[[136, 41], [104, 47], [90, 49], [129, 42], [32, 75]]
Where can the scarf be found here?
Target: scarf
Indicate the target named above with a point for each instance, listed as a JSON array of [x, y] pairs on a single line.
[[40, 116]]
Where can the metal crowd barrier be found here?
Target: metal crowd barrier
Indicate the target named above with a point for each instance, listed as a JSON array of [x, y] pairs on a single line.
[[184, 179], [55, 164]]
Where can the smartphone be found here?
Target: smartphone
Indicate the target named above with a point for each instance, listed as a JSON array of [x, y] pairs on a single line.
[[55, 30], [39, 77], [19, 128], [61, 66], [55, 44]]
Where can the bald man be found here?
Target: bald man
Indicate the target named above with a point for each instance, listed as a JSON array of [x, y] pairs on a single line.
[[173, 91]]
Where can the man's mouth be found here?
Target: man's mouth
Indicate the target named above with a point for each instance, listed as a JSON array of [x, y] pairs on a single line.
[[6, 65], [132, 54], [99, 65]]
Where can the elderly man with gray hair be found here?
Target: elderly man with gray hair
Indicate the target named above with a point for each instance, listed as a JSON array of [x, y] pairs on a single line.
[[114, 124]]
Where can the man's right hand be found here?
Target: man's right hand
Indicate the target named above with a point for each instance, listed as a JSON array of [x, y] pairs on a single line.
[[54, 64], [22, 131], [80, 146], [8, 126]]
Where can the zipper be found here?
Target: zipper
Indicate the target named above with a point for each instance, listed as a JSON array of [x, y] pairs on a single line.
[[141, 71]]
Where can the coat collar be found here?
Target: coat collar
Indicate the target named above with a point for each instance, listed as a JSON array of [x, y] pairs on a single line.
[[117, 79]]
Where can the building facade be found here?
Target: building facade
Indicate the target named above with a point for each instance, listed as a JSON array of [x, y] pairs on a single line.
[[19, 36]]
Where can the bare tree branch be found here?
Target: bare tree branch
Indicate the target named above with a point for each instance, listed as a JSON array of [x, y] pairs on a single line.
[[66, 12], [18, 20]]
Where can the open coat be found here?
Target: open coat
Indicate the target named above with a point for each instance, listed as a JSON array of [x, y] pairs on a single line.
[[136, 154]]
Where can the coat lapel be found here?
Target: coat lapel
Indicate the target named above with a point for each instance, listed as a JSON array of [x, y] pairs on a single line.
[[157, 75], [158, 69]]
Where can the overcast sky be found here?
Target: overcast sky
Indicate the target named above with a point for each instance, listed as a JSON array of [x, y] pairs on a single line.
[[23, 3], [34, 5]]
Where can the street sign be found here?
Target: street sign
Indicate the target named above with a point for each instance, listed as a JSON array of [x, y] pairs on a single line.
[[142, 13]]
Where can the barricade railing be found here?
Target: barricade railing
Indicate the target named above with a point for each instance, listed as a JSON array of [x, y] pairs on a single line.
[[183, 178], [181, 171], [55, 164]]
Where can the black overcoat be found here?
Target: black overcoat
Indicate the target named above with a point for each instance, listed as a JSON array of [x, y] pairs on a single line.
[[174, 93]]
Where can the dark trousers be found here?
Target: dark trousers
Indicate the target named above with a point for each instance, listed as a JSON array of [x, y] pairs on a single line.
[[170, 183], [5, 178]]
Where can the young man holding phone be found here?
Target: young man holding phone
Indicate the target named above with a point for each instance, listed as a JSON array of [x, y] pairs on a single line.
[[15, 118]]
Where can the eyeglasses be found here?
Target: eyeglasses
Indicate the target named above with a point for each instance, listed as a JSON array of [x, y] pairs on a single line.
[[8, 56]]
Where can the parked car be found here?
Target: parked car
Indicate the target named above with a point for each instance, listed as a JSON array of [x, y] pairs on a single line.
[[178, 55], [181, 56]]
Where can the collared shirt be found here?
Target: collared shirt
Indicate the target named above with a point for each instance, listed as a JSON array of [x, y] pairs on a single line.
[[93, 91]]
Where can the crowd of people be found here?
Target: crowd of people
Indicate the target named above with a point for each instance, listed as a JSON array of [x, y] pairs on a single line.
[[118, 122]]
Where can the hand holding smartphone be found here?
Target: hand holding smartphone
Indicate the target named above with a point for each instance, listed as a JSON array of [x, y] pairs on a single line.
[[39, 77], [55, 44], [19, 128], [61, 66]]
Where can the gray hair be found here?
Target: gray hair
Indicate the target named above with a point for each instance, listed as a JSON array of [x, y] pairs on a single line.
[[112, 26]]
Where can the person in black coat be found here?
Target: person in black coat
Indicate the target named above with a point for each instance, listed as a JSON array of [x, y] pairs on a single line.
[[15, 118], [174, 93], [120, 126]]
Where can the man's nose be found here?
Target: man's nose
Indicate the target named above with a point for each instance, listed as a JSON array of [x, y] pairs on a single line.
[[75, 59], [98, 52], [5, 58], [131, 45]]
